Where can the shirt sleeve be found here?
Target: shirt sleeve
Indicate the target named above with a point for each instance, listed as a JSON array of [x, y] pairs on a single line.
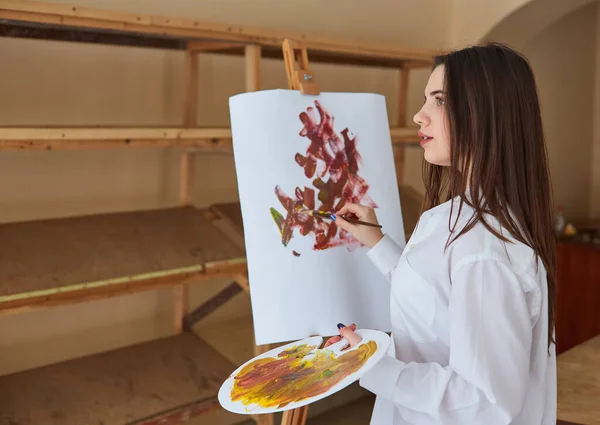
[[490, 345], [385, 255]]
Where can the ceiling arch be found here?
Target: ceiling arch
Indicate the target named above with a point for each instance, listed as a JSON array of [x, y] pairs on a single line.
[[523, 24], [472, 19]]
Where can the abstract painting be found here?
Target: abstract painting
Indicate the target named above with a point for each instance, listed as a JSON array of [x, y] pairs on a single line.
[[299, 373], [296, 153], [326, 156]]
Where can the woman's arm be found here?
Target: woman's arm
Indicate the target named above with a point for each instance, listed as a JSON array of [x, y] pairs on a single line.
[[490, 344], [383, 251], [385, 255]]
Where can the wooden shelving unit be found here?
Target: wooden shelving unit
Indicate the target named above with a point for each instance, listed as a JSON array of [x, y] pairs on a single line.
[[44, 263], [109, 254], [166, 378]]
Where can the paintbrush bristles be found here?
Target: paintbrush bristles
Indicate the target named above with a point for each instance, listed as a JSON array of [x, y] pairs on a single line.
[[323, 214], [314, 213]]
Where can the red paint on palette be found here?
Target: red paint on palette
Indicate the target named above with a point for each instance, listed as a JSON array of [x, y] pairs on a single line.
[[332, 164]]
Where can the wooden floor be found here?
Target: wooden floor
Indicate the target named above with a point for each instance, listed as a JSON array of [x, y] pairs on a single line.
[[579, 383]]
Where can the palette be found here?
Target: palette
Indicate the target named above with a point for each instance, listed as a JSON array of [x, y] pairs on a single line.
[[300, 373]]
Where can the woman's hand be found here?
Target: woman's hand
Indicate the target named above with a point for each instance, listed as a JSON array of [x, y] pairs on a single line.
[[367, 235], [345, 332]]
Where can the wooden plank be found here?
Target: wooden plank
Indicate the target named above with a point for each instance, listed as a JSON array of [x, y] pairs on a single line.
[[579, 383], [46, 32], [180, 299], [210, 139], [29, 301], [190, 89], [253, 74], [212, 46], [186, 172], [116, 387], [212, 304], [186, 176], [48, 138], [404, 136], [232, 212], [84, 17], [242, 281], [44, 258], [399, 154], [181, 414]]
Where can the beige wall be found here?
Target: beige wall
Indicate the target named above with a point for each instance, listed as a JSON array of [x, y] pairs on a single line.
[[472, 19], [563, 58], [73, 84]]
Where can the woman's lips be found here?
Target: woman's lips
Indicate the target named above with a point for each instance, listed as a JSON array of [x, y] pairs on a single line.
[[424, 138]]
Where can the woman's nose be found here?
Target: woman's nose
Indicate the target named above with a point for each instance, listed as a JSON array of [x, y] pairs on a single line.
[[420, 117]]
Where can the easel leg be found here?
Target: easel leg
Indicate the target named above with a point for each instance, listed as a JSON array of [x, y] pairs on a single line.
[[180, 297], [266, 419], [299, 77], [295, 416]]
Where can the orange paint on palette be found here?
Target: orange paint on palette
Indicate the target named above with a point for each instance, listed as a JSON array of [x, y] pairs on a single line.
[[292, 376]]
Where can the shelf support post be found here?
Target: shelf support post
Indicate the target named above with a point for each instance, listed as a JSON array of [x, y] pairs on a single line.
[[186, 171], [399, 153]]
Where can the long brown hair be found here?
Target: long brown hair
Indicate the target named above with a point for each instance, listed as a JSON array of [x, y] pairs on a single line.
[[495, 130]]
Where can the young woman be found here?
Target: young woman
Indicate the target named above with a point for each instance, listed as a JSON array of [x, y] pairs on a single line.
[[473, 291]]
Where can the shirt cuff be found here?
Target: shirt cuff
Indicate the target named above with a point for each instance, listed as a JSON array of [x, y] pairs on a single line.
[[382, 378], [385, 254]]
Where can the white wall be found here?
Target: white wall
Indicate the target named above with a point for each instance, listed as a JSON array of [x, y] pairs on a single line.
[[563, 58]]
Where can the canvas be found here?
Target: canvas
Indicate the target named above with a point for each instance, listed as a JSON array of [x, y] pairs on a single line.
[[292, 152]]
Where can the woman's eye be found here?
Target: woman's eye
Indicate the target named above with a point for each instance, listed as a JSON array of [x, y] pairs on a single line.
[[439, 101]]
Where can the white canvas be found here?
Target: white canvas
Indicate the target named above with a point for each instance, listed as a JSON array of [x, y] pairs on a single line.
[[297, 290]]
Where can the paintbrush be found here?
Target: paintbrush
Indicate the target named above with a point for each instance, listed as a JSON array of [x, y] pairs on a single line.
[[323, 214]]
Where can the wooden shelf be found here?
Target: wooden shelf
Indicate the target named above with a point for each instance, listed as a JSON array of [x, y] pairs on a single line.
[[41, 20], [178, 375], [207, 139], [51, 138], [48, 262]]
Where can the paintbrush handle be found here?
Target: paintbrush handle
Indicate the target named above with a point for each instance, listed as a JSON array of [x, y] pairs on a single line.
[[364, 223]]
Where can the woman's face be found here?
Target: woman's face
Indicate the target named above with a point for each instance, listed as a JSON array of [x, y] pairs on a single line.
[[432, 119]]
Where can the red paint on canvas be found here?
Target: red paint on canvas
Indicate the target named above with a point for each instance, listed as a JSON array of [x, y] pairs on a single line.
[[332, 163]]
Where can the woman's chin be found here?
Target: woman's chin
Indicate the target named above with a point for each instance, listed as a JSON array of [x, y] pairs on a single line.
[[434, 159]]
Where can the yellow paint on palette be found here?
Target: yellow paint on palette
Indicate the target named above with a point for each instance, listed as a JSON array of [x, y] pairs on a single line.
[[291, 377]]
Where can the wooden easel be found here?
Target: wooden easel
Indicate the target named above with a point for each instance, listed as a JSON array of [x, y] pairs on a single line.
[[301, 78]]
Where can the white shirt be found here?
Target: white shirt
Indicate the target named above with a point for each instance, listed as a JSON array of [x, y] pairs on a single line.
[[469, 329]]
